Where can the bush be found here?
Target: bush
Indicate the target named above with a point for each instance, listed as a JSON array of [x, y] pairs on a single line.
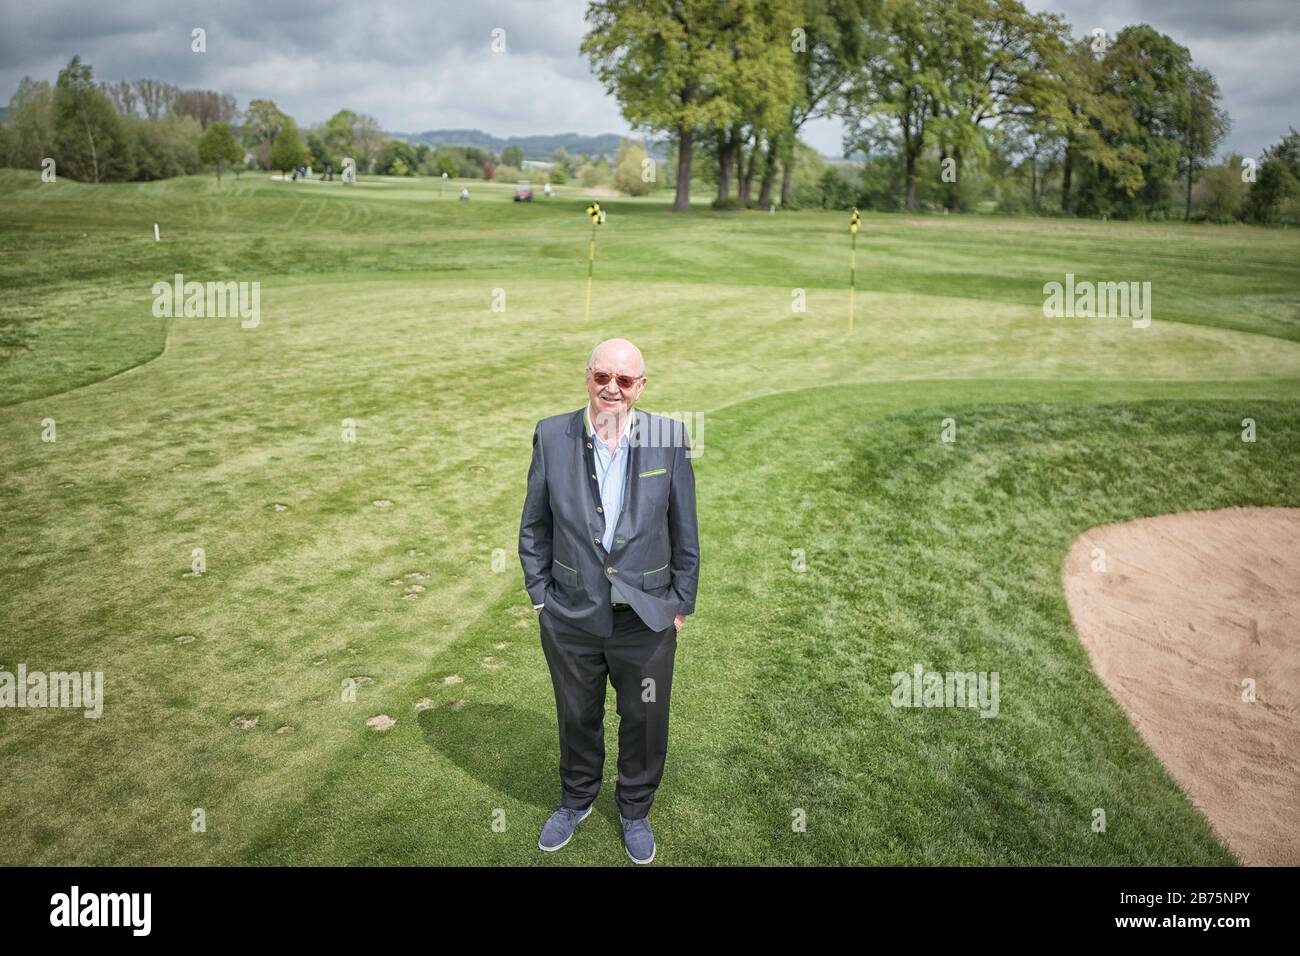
[[442, 163], [628, 170], [594, 174], [1219, 195], [836, 191], [805, 189]]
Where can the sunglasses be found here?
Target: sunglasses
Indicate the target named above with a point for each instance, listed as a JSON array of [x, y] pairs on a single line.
[[625, 382]]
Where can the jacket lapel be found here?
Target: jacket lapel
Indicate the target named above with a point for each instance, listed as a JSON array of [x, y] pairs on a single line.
[[625, 517], [590, 498]]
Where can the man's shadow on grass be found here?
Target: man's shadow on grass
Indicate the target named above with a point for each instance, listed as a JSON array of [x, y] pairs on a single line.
[[512, 750]]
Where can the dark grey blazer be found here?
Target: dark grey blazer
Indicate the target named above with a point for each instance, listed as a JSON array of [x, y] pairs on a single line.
[[655, 559]]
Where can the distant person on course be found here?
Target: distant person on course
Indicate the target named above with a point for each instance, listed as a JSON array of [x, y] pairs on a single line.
[[611, 556]]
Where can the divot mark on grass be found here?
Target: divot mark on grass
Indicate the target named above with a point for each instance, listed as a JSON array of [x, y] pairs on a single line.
[[501, 645], [286, 729], [279, 507], [459, 704], [382, 503], [424, 703], [381, 722], [453, 679], [244, 723], [185, 638]]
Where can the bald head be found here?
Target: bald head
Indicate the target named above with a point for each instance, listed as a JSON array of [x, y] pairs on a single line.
[[619, 356]]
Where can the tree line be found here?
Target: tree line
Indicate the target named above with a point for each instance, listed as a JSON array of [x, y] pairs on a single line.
[[952, 105], [946, 102], [148, 129]]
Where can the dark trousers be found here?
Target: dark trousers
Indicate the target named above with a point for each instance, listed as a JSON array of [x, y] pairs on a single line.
[[639, 663]]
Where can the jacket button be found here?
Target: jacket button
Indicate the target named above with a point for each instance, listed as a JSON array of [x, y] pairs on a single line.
[[593, 476], [610, 571], [588, 444], [599, 510], [597, 540]]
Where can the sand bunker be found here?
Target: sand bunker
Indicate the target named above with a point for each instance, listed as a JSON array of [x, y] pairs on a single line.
[[1193, 616]]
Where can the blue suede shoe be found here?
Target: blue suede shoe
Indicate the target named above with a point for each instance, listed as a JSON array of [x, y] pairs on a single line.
[[559, 828], [638, 839]]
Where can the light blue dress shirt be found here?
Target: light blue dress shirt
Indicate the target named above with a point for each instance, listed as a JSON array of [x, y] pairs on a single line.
[[611, 476]]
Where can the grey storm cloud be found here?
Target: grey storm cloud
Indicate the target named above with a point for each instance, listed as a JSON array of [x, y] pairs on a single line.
[[411, 65], [422, 65]]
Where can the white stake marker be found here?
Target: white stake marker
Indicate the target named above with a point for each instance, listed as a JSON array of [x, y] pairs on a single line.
[[156, 237]]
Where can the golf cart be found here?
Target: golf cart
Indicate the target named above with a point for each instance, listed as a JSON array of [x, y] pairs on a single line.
[[523, 191]]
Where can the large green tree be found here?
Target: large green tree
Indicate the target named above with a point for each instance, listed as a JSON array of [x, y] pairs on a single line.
[[91, 141], [836, 39], [1202, 125], [263, 122], [1142, 86], [945, 74], [759, 84], [218, 148], [1277, 181], [1095, 125], [894, 97], [288, 151], [353, 135], [665, 61], [1001, 63], [31, 113]]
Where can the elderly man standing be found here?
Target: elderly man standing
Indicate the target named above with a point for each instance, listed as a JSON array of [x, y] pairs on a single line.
[[611, 557]]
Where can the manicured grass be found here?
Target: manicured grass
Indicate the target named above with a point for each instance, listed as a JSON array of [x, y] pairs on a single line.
[[377, 307]]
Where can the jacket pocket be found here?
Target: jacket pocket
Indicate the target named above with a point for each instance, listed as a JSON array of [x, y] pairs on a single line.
[[564, 573], [658, 578]]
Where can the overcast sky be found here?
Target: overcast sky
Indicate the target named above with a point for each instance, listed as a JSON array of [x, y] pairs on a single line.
[[423, 64]]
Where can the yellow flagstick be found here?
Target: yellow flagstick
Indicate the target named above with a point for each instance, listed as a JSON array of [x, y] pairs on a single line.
[[854, 222], [597, 217]]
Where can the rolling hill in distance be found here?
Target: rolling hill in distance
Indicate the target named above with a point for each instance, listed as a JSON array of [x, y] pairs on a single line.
[[541, 146]]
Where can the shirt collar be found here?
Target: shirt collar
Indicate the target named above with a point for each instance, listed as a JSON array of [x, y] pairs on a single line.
[[627, 425]]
